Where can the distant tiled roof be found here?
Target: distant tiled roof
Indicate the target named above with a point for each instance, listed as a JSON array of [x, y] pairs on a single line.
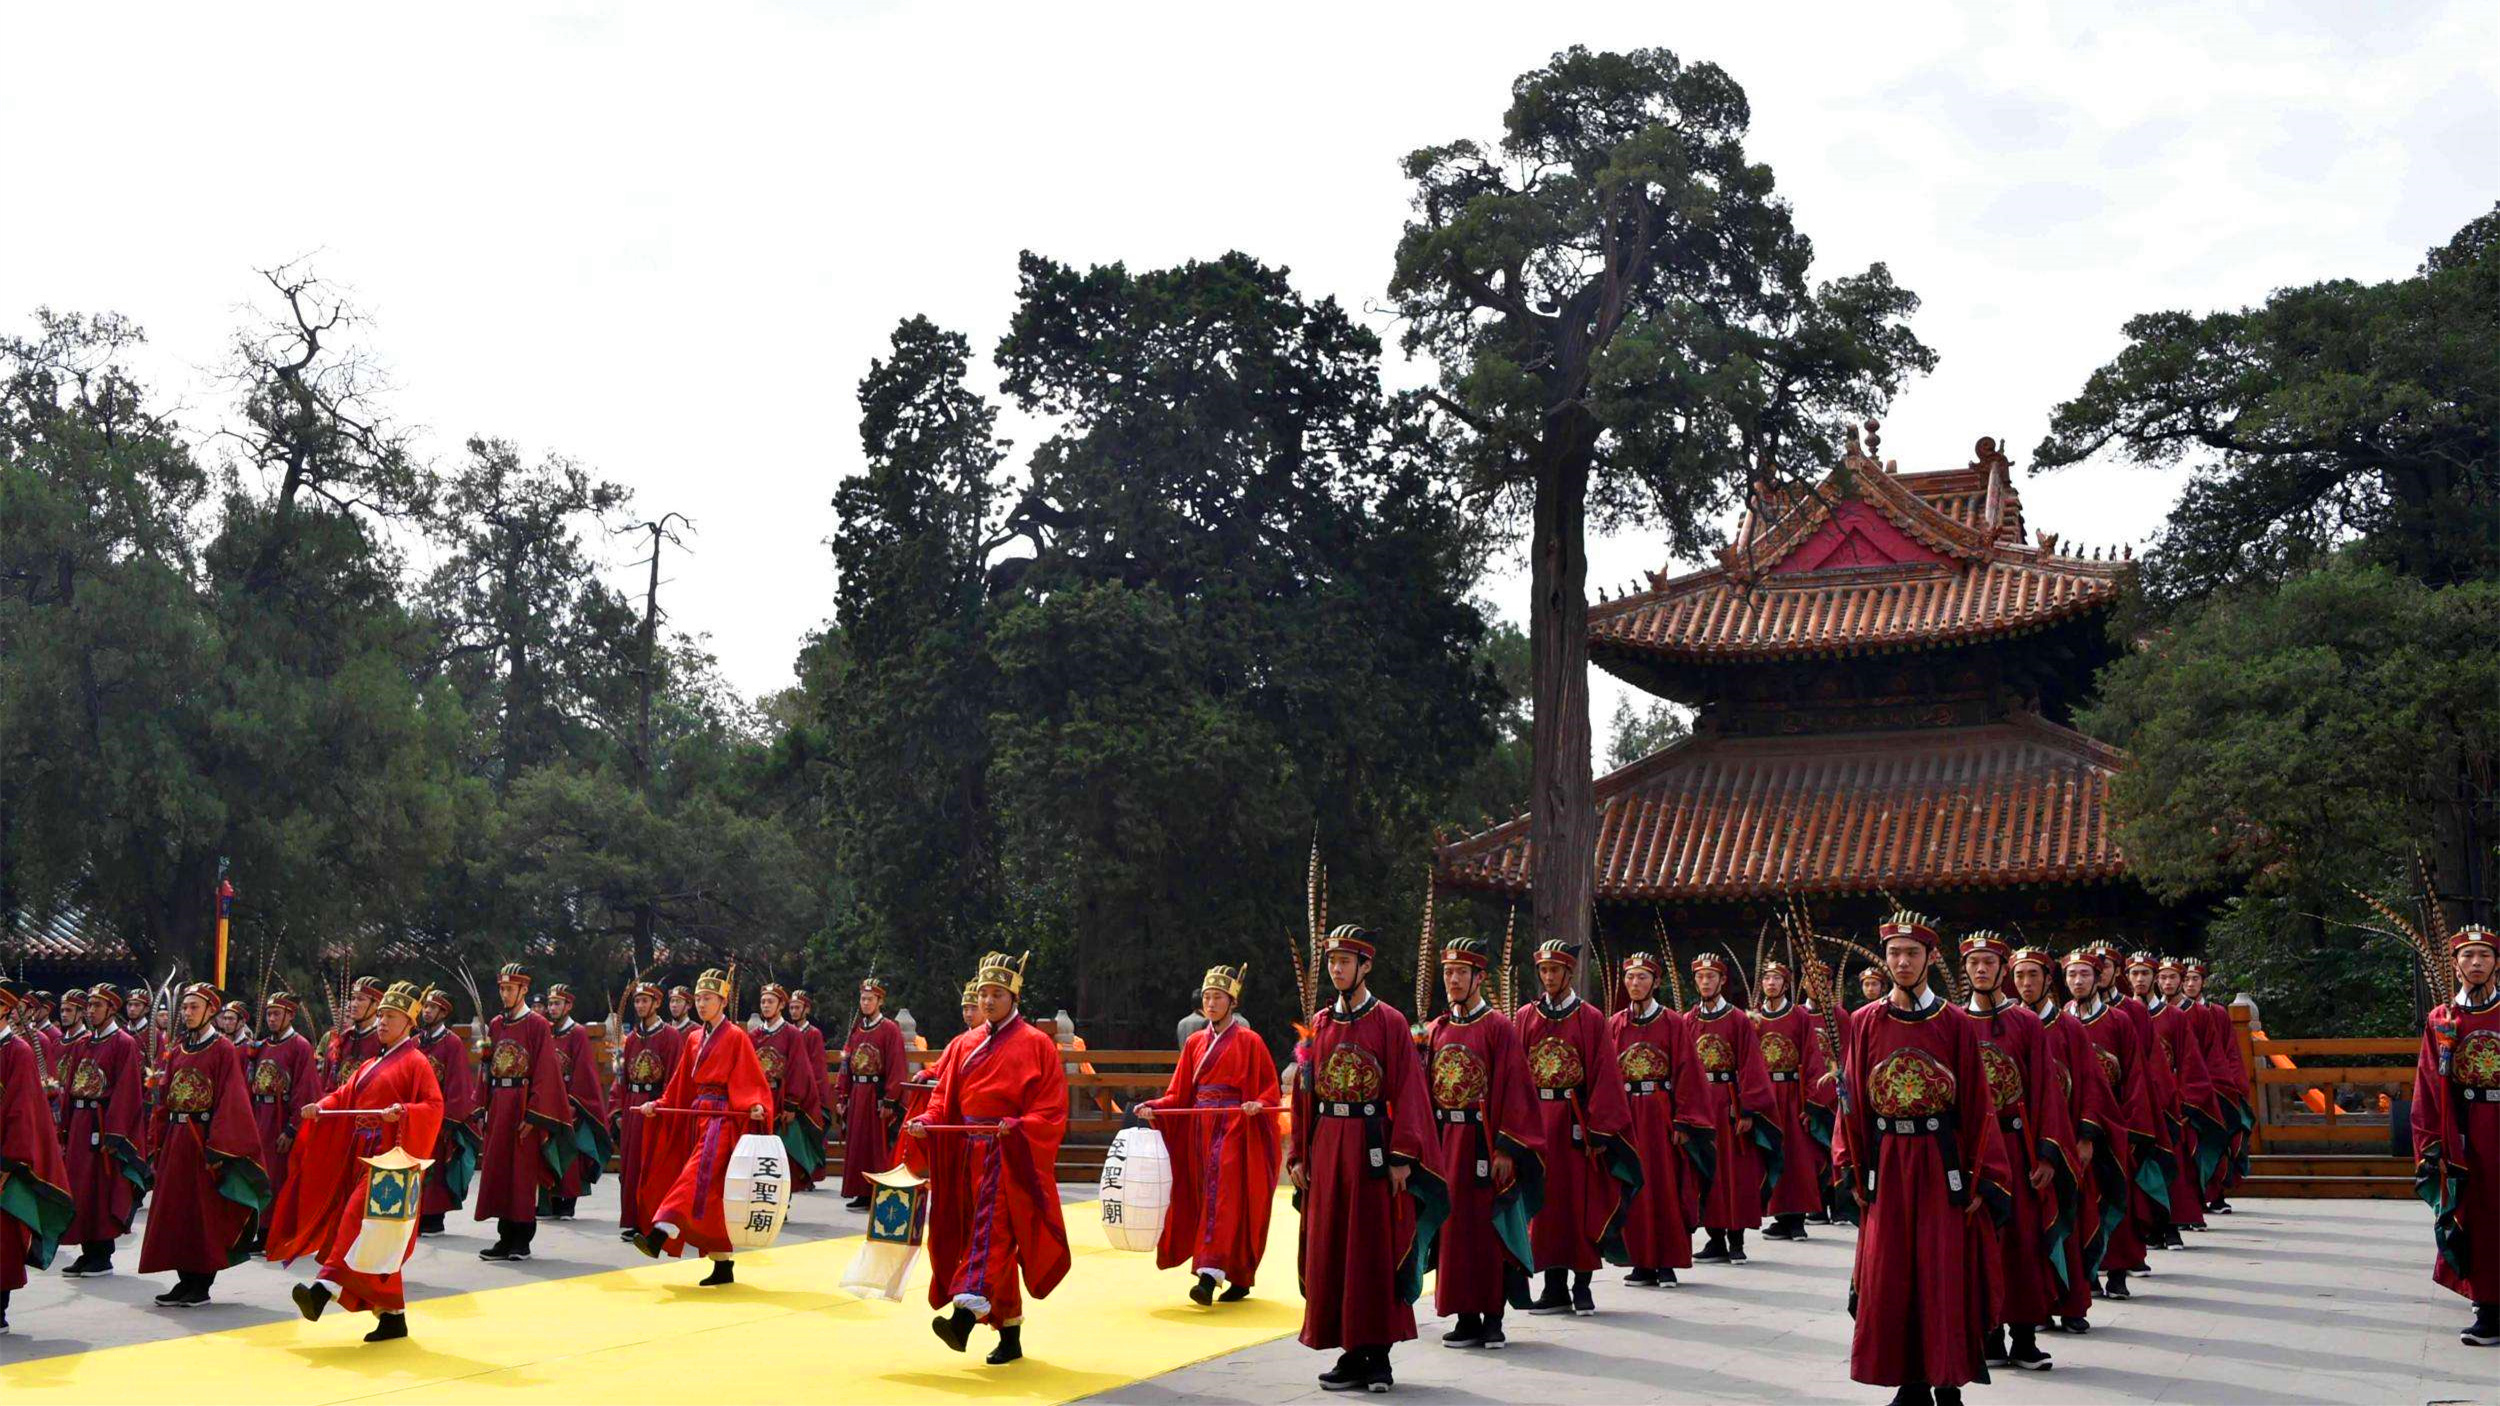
[[1959, 569], [2018, 802], [61, 933]]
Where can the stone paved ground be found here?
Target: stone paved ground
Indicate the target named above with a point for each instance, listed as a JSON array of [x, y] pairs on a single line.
[[2324, 1302]]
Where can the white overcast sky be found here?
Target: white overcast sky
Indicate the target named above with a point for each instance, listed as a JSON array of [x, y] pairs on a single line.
[[667, 239]]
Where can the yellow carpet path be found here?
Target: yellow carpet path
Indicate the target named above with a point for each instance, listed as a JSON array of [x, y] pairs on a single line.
[[782, 1333]]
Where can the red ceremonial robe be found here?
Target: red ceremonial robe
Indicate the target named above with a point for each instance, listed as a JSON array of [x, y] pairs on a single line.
[[1792, 1055], [2159, 1167], [2456, 1137], [2219, 1043], [1591, 1173], [35, 1206], [322, 1210], [2100, 1177], [683, 1159], [2034, 1129], [1919, 1133], [994, 1198], [1663, 1083], [1482, 1102], [1223, 1164], [2201, 1128], [285, 1076], [211, 1190], [1736, 1082], [1359, 1105], [349, 1048], [579, 1065], [529, 1118], [2121, 1058], [651, 1055], [829, 1102], [104, 1132], [456, 1145], [798, 1082], [867, 1088]]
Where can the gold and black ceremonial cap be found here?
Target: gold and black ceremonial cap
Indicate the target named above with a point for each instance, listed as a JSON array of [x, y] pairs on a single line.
[[1467, 952], [1986, 940], [1556, 952], [1645, 962], [1349, 937], [713, 982], [1904, 923], [999, 969], [402, 996], [1228, 980]]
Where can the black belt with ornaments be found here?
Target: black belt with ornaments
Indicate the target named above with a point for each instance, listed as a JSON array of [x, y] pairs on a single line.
[[2473, 1094], [1556, 1095], [1638, 1087], [1720, 1076], [1782, 1076]]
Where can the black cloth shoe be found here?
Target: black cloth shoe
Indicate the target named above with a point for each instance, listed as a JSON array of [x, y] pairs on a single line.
[[1736, 1247], [1713, 1250], [1010, 1346], [1494, 1338], [1913, 1394], [856, 1203], [2026, 1353], [1666, 1279], [1642, 1279], [1468, 1333], [1994, 1353], [1554, 1297], [954, 1330], [723, 1272], [1233, 1293], [393, 1327], [1203, 1292], [1373, 1376], [2117, 1288], [1341, 1376], [1583, 1302], [94, 1259], [310, 1299], [501, 1251], [2220, 1208], [2077, 1325], [430, 1225], [650, 1242], [2485, 1330], [1948, 1396]]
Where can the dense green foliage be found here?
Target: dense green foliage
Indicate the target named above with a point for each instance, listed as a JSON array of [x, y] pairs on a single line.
[[1625, 325], [2315, 709]]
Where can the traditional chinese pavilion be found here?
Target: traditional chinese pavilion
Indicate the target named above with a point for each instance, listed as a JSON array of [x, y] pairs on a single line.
[[1884, 671]]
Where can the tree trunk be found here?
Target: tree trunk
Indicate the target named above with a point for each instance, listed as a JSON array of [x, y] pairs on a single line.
[[1562, 804]]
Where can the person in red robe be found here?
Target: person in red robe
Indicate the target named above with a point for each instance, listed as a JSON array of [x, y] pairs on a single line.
[[456, 1144], [211, 1189], [1224, 1164], [2219, 1041], [2157, 1163], [72, 1012], [105, 1132], [1365, 1169], [2073, 1081], [1751, 1155], [529, 1119], [1671, 1126], [2202, 1126], [284, 1073], [1792, 1057], [993, 1195], [650, 1055], [1591, 1172], [921, 1084], [2118, 1053], [866, 1093], [360, 1037], [802, 1013], [1490, 1153], [798, 1080], [396, 1105], [578, 1063], [2456, 1132], [684, 1156], [43, 1042], [1918, 1133], [35, 1207], [2038, 1138]]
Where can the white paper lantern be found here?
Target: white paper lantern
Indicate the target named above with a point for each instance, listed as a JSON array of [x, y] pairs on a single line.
[[756, 1191], [1136, 1189]]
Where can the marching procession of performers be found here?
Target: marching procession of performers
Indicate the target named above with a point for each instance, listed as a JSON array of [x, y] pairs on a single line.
[[2010, 1155]]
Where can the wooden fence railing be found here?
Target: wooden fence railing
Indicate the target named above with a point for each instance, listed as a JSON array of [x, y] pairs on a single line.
[[2330, 1099]]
